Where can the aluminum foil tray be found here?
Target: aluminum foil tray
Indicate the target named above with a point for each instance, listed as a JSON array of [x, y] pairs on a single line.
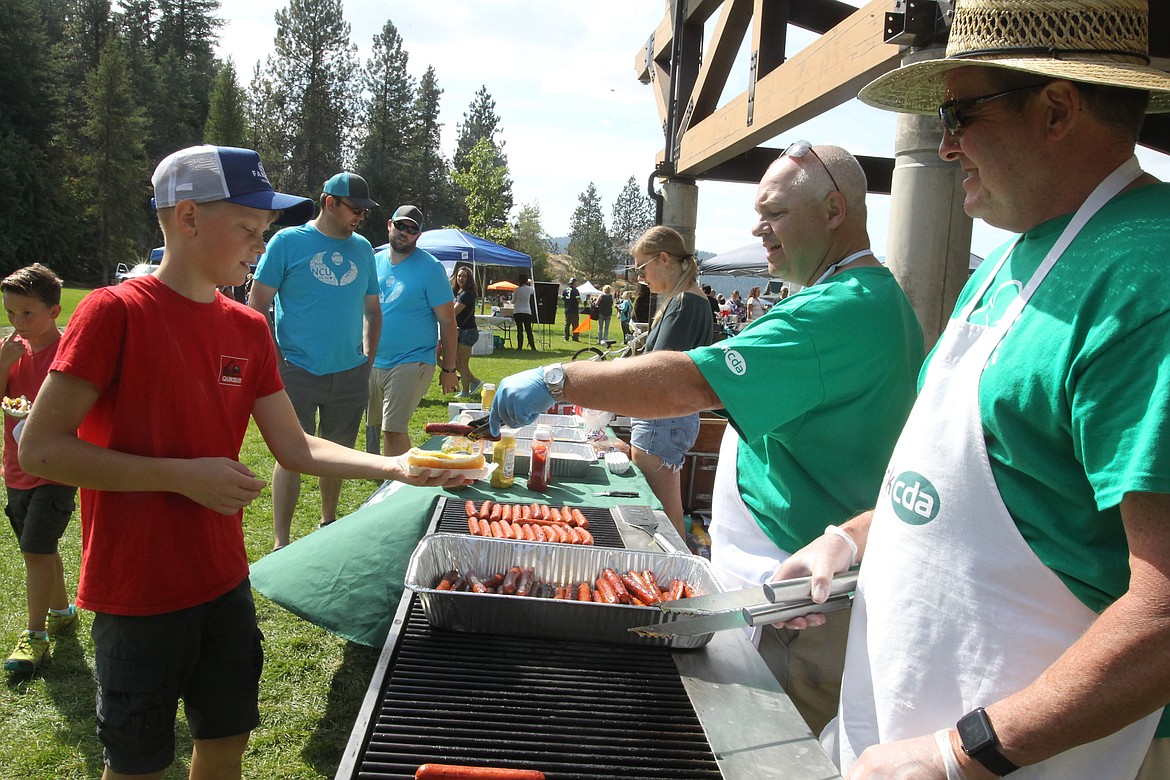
[[492, 613], [559, 433], [560, 420], [568, 458]]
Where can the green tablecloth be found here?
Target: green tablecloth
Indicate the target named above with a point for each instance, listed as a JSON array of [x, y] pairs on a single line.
[[347, 577]]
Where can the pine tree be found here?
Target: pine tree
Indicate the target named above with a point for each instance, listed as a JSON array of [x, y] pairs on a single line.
[[313, 72], [267, 133], [427, 177], [114, 168], [480, 122], [589, 242], [632, 215], [32, 204], [388, 122], [488, 193], [529, 237], [226, 124]]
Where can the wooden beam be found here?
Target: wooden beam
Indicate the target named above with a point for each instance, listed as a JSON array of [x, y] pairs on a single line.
[[828, 72], [724, 46], [749, 168]]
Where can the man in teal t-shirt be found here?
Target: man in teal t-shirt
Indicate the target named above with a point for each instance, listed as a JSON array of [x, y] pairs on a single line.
[[418, 314], [319, 279], [816, 392]]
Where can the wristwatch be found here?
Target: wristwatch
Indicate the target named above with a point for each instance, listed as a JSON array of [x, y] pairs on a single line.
[[554, 380], [981, 743]]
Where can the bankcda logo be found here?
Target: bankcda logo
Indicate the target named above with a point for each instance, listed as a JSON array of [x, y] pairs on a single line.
[[914, 499]]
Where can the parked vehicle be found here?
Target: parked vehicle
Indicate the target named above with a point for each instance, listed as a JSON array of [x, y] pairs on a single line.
[[122, 273]]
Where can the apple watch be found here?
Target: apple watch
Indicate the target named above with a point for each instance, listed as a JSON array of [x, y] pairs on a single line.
[[981, 743], [554, 380]]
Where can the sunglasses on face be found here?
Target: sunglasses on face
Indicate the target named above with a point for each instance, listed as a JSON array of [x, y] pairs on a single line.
[[956, 114], [407, 228], [358, 211], [800, 149]]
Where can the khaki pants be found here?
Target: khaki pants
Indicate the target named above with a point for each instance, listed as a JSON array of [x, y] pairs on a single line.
[[1157, 763], [808, 665]]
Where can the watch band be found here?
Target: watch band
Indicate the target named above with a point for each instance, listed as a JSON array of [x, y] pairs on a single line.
[[981, 743], [556, 386]]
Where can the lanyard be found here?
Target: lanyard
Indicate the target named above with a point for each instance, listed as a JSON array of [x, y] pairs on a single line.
[[840, 264]]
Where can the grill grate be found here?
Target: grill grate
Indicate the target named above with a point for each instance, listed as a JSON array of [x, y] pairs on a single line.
[[574, 710], [453, 520]]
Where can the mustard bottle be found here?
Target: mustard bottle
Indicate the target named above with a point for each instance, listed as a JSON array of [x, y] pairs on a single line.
[[504, 455]]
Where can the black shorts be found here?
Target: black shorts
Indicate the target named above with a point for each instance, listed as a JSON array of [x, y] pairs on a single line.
[[39, 516], [210, 656]]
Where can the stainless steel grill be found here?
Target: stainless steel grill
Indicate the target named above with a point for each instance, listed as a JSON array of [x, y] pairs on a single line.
[[570, 709]]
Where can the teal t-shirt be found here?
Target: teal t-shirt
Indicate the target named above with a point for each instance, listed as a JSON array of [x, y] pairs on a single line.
[[1076, 399], [409, 293], [321, 287], [818, 390]]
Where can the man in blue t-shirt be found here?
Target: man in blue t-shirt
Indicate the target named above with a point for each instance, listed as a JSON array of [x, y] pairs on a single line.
[[418, 310], [320, 282]]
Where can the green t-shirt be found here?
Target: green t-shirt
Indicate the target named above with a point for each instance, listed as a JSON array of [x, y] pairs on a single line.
[[818, 390], [1075, 400]]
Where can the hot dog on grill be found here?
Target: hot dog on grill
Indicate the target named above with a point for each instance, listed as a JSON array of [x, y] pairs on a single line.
[[459, 772]]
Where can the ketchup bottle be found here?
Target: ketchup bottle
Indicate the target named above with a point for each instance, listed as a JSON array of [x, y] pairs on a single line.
[[540, 466]]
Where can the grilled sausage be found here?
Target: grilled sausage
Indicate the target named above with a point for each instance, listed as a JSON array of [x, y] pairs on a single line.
[[460, 772], [587, 538], [676, 590], [639, 589], [471, 510], [494, 581], [506, 512], [527, 578], [545, 511], [497, 513], [577, 518], [619, 587], [485, 510], [447, 580], [584, 593], [485, 528], [651, 580], [497, 532], [688, 590], [473, 525], [460, 583], [476, 583], [511, 579], [606, 592]]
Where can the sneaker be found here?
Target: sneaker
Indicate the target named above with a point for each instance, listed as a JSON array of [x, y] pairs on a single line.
[[473, 391], [30, 653], [57, 623]]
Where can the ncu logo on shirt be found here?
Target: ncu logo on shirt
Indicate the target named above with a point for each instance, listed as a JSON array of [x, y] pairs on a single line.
[[231, 370], [914, 499]]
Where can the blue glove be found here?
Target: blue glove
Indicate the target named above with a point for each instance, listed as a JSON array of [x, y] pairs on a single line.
[[520, 399]]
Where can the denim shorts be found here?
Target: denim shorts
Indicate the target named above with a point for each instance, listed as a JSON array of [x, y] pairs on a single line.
[[468, 336], [40, 515], [208, 655], [669, 438]]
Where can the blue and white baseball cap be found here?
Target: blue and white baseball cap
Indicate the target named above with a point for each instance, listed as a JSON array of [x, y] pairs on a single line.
[[209, 173]]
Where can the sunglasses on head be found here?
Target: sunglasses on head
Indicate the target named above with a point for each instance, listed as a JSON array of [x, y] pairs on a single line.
[[408, 228], [800, 149], [955, 114]]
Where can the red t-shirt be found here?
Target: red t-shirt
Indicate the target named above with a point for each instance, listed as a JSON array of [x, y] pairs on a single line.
[[24, 378], [176, 379]]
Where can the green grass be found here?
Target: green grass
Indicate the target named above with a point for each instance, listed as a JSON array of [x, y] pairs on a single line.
[[313, 681], [70, 297]]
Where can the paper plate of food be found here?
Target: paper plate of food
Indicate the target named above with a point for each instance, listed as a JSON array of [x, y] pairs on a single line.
[[16, 407], [473, 465]]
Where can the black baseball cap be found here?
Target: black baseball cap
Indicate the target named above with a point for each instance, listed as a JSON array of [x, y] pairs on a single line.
[[410, 213], [350, 185]]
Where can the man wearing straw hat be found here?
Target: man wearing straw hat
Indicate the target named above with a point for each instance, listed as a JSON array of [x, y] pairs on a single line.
[[1013, 608]]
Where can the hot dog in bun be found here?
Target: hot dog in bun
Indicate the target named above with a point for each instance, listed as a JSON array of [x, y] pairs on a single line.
[[426, 459]]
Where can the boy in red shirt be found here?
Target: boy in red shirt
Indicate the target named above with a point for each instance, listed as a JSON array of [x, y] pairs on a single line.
[[39, 510], [158, 377]]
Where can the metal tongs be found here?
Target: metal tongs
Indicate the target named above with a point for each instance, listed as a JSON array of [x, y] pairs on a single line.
[[482, 431], [773, 602]]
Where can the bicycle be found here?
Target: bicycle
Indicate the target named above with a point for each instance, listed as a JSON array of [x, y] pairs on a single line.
[[630, 348]]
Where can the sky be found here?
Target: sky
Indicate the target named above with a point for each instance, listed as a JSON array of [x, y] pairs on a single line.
[[571, 109]]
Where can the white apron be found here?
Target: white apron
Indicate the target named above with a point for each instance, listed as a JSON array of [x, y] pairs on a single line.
[[742, 555], [953, 610]]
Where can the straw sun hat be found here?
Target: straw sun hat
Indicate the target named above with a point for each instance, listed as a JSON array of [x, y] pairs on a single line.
[[1094, 41]]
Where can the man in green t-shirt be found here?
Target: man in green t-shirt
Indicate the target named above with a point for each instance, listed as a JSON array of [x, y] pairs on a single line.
[[1013, 605], [815, 391]]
